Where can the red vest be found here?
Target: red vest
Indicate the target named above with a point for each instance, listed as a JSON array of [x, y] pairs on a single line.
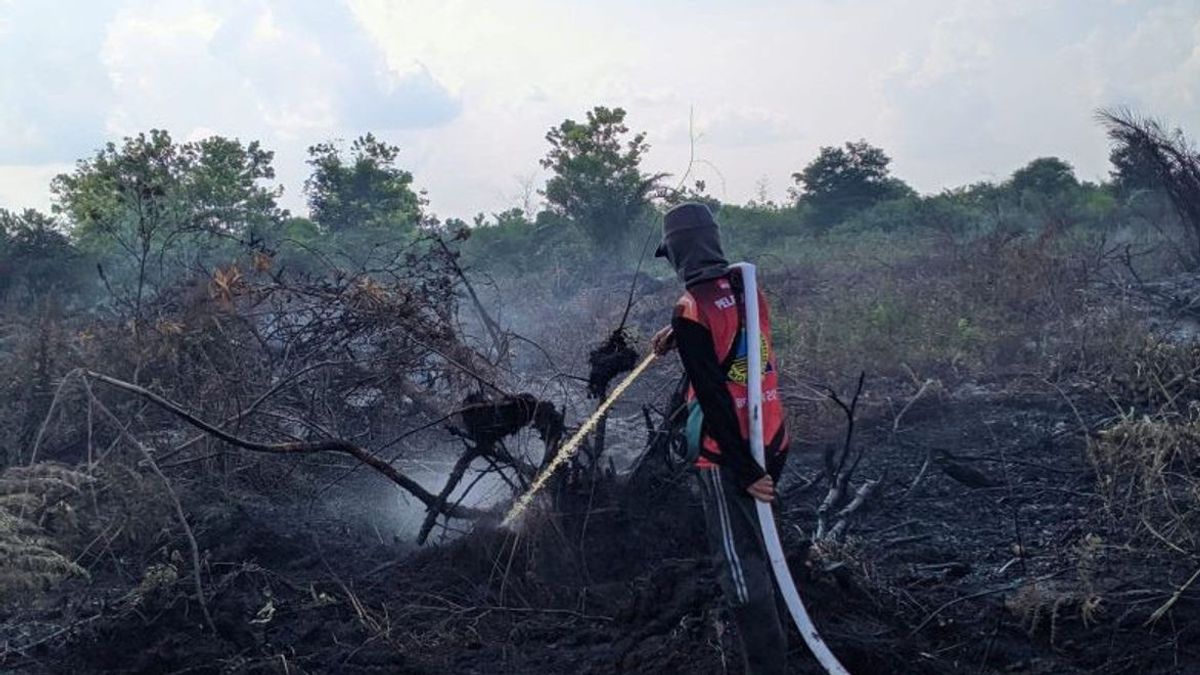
[[713, 304]]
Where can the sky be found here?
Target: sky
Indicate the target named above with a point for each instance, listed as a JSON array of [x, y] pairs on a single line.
[[956, 91]]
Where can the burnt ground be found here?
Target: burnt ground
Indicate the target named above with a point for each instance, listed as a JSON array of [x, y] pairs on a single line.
[[1015, 573]]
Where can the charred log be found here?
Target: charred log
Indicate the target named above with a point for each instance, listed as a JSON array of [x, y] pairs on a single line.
[[488, 421], [610, 359]]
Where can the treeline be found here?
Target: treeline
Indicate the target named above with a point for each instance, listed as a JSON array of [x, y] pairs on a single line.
[[601, 207], [139, 215]]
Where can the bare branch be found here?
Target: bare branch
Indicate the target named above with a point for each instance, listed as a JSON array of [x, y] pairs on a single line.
[[193, 547], [297, 448]]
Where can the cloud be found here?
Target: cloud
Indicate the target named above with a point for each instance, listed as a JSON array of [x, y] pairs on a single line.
[[733, 126], [954, 90], [317, 50], [998, 84], [295, 68], [53, 90], [26, 187], [289, 73], [416, 100], [1155, 64], [74, 74]]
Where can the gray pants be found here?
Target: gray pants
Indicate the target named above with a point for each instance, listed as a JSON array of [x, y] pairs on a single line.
[[744, 571]]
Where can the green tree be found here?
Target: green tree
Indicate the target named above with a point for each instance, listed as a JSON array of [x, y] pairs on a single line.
[[1134, 169], [505, 241], [598, 183], [151, 183], [843, 181], [1044, 176], [364, 190], [36, 256], [696, 192], [151, 206], [1046, 195]]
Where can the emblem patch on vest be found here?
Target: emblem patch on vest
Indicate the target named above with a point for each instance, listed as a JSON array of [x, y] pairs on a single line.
[[738, 370]]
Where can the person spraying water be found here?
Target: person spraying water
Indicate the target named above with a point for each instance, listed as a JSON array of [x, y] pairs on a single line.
[[721, 328], [736, 432]]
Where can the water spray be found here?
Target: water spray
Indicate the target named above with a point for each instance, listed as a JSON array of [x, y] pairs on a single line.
[[766, 517], [569, 448]]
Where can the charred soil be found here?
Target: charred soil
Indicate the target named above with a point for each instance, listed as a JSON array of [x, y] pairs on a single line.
[[985, 552]]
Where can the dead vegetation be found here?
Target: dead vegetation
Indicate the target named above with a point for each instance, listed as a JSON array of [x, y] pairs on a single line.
[[1175, 165], [35, 501], [1011, 483]]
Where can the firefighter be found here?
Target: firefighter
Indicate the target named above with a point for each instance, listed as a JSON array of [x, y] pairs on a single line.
[[708, 330]]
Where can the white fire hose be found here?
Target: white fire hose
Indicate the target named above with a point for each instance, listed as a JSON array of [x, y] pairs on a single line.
[[766, 517]]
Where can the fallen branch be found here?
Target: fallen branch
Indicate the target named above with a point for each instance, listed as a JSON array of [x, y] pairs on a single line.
[[1166, 606], [41, 434], [193, 547], [832, 497], [950, 603], [493, 328], [248, 410], [426, 497], [456, 476], [24, 649], [920, 474], [920, 392], [861, 495]]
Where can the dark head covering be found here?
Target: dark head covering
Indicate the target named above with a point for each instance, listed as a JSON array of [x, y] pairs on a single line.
[[692, 243]]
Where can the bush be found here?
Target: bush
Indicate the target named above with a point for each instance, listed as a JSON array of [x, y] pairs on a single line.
[[750, 231]]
